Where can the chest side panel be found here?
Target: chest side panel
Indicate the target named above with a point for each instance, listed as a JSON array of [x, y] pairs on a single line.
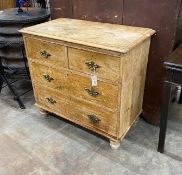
[[134, 65]]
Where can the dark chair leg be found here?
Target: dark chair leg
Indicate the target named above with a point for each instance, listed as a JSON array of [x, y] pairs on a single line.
[[1, 83], [180, 98], [164, 116], [4, 79], [16, 97], [1, 78], [25, 63]]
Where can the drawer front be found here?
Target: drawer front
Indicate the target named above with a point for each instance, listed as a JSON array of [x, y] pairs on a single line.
[[107, 67], [77, 111], [75, 85], [46, 52]]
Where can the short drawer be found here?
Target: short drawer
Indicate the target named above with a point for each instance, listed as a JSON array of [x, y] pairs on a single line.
[[75, 85], [46, 52], [106, 66], [84, 114]]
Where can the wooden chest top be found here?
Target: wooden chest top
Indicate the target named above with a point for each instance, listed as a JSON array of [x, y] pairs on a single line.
[[116, 38]]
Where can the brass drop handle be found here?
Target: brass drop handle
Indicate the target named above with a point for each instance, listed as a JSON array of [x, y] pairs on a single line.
[[92, 92], [94, 119], [92, 65], [45, 54], [51, 100], [48, 77]]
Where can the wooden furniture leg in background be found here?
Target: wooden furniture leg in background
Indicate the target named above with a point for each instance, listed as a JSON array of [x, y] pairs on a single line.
[[43, 112], [164, 116]]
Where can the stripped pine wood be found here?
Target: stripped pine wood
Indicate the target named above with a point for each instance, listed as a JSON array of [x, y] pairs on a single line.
[[112, 37], [133, 74], [108, 66], [49, 52], [75, 85], [77, 110], [74, 51]]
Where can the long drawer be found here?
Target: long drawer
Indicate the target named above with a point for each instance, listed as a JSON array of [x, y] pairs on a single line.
[[70, 84], [106, 66], [46, 52], [82, 113]]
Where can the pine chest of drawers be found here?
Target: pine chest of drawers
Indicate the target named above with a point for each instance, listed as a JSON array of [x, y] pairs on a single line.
[[92, 74]]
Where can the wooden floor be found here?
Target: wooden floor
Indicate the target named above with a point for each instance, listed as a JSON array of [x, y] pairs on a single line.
[[33, 145]]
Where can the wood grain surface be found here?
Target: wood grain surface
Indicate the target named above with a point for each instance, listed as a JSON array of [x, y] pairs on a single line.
[[77, 111], [71, 84], [119, 38], [109, 65], [4, 4], [58, 53]]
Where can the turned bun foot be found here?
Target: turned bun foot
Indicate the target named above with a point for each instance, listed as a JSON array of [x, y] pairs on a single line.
[[43, 112], [115, 145]]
